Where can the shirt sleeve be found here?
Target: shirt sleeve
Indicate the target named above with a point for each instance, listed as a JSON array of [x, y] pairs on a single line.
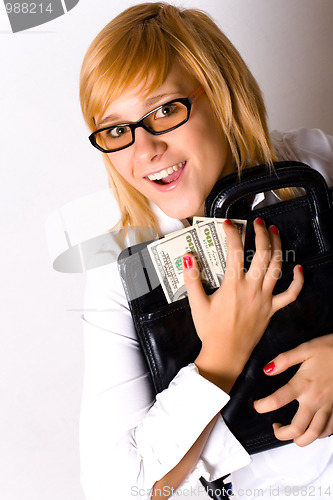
[[311, 146], [129, 439]]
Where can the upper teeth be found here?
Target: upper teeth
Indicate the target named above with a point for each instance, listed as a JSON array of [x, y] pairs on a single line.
[[164, 173]]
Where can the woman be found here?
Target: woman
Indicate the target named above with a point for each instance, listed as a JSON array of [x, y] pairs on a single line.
[[140, 73]]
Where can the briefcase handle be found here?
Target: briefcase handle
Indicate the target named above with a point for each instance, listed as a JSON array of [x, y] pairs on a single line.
[[231, 190]]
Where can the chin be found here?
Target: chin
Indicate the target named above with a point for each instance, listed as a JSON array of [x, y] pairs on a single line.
[[184, 212]]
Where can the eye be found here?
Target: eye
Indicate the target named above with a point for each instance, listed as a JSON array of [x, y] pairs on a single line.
[[165, 111], [116, 132]]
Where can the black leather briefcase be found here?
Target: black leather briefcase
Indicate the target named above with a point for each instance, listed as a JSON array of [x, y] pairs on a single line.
[[166, 331]]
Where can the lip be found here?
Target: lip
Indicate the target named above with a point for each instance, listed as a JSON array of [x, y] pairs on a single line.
[[169, 186]]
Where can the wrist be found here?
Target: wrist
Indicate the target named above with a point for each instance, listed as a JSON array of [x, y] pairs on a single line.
[[220, 369]]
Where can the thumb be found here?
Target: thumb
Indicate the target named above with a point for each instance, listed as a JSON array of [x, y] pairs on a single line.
[[195, 291]]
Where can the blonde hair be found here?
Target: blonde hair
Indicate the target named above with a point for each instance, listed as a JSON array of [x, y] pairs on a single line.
[[142, 43]]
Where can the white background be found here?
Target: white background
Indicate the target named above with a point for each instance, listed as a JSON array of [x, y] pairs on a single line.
[[46, 162]]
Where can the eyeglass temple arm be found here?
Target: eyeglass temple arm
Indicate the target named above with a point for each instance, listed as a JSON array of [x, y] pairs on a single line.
[[197, 93]]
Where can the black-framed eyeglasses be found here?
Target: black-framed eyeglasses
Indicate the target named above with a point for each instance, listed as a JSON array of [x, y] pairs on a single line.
[[159, 121]]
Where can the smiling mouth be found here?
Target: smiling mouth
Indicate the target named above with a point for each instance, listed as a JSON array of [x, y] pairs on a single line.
[[167, 175]]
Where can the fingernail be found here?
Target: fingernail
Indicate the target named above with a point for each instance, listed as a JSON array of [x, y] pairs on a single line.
[[187, 262], [274, 230], [270, 367], [259, 221], [300, 268], [228, 222]]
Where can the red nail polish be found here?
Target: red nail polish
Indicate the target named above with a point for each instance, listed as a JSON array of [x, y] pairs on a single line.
[[187, 262], [259, 221], [300, 267], [228, 222], [270, 367], [274, 230]]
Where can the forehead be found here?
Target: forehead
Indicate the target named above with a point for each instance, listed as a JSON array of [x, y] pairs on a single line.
[[140, 97]]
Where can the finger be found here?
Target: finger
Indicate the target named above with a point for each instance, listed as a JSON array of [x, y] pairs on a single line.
[[276, 426], [328, 430], [287, 359], [297, 427], [274, 268], [315, 429], [279, 398], [235, 251], [262, 255], [290, 295], [195, 291]]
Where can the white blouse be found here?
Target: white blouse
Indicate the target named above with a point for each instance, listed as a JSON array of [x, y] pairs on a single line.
[[129, 439]]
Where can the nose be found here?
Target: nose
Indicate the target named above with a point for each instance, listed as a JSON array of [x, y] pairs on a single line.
[[148, 147]]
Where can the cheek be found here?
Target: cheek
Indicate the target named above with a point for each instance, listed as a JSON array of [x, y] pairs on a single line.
[[121, 165], [220, 153], [209, 136]]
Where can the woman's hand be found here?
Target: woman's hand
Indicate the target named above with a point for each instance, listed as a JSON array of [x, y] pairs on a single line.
[[231, 321], [311, 386]]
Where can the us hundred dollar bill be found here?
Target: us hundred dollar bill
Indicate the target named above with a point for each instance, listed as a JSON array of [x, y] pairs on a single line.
[[239, 223], [167, 254], [208, 231]]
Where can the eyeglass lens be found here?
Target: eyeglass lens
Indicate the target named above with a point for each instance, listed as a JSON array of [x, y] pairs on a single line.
[[162, 119]]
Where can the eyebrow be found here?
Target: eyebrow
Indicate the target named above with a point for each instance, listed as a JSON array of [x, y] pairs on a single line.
[[148, 102]]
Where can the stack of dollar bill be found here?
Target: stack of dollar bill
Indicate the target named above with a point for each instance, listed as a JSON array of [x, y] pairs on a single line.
[[206, 239]]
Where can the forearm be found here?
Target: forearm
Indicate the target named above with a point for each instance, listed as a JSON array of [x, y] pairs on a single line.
[[173, 479]]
